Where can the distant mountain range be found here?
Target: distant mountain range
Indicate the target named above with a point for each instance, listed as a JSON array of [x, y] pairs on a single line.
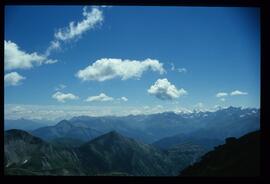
[[162, 129], [109, 154], [238, 157], [24, 124]]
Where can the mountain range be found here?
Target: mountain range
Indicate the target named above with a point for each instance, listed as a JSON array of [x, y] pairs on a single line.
[[162, 129], [162, 144], [114, 154]]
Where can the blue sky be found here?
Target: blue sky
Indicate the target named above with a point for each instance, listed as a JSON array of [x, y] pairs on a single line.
[[204, 57]]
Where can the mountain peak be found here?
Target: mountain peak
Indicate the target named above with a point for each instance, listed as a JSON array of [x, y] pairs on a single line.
[[64, 123], [114, 134], [109, 138], [15, 134]]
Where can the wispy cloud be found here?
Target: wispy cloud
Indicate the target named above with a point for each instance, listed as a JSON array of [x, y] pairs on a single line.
[[59, 112], [172, 67], [102, 97], [60, 87], [13, 79], [75, 30], [108, 68], [54, 45], [223, 99], [125, 99], [237, 92], [180, 70], [164, 90], [62, 97], [221, 94]]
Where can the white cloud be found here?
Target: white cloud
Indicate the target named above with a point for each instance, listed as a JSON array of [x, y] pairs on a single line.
[[13, 79], [75, 30], [108, 68], [124, 98], [59, 112], [51, 61], [62, 97], [63, 111], [164, 90], [221, 94], [237, 92], [15, 58], [99, 98]]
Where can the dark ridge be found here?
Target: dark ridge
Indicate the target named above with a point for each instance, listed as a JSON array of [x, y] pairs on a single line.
[[238, 157]]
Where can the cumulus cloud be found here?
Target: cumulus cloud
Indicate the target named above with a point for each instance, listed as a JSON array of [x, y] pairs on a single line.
[[124, 98], [99, 98], [62, 97], [164, 90], [15, 58], [221, 94], [237, 92], [13, 79], [74, 30], [108, 68]]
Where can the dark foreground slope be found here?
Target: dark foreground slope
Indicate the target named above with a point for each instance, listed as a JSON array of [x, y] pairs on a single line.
[[114, 153], [238, 157], [109, 154], [29, 155]]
